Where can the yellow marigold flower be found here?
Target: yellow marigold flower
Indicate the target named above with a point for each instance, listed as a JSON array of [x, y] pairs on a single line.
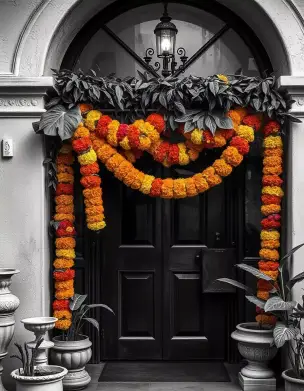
[[130, 156], [223, 78], [272, 274], [114, 161], [130, 176], [273, 142], [179, 188], [95, 218], [273, 152], [93, 201], [270, 209], [139, 123], [123, 169], [139, 177], [63, 324], [273, 190], [219, 140], [242, 112], [112, 132], [67, 284], [97, 143], [92, 117], [271, 244], [65, 209], [270, 255], [64, 216], [88, 157], [211, 177], [125, 144], [144, 143], [64, 199], [190, 187], [200, 183], [146, 184], [81, 131], [222, 168], [97, 226], [66, 253], [62, 294], [65, 243], [273, 170], [263, 295], [62, 314], [235, 117], [270, 235], [232, 156], [94, 210], [197, 136], [63, 263], [65, 178], [105, 152], [167, 188], [245, 132], [272, 161], [183, 156]]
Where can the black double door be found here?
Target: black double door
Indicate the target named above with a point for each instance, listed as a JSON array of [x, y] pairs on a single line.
[[159, 261]]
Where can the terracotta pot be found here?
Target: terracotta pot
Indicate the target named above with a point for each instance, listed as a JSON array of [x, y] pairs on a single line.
[[40, 383], [292, 383], [257, 347], [73, 355]]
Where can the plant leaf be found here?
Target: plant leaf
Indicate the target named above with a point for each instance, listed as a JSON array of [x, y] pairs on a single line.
[[284, 259], [282, 333], [101, 306], [255, 300], [223, 122], [294, 280], [235, 283], [76, 301], [93, 322], [254, 271], [276, 303]]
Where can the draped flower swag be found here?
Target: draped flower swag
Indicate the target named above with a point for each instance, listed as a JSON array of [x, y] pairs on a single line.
[[96, 136]]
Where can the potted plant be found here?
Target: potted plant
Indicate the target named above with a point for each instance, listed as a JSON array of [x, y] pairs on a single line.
[[257, 342], [31, 377], [72, 349]]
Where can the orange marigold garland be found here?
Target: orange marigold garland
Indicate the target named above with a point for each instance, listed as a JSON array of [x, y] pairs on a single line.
[[272, 194], [64, 242]]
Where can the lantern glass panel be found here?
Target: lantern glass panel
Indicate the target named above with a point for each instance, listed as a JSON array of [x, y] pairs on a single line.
[[165, 42]]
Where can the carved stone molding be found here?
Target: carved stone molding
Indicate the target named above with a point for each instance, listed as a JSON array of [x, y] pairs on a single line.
[[295, 87], [23, 97]]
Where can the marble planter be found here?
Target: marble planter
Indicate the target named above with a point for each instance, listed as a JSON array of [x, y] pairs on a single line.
[[257, 347], [291, 383], [51, 382], [73, 355], [8, 305]]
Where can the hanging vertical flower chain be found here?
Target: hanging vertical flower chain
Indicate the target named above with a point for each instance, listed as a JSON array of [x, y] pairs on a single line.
[[89, 170], [272, 194], [65, 242]]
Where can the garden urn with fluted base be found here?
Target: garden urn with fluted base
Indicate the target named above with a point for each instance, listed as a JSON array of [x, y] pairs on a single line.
[[73, 355], [8, 305], [256, 345]]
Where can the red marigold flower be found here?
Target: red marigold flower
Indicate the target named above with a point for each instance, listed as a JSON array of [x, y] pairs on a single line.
[[64, 188], [59, 305], [275, 217], [268, 265], [270, 199], [64, 275], [271, 127], [264, 285], [208, 139], [268, 224], [122, 131], [65, 228], [90, 181], [156, 187], [89, 169], [85, 107], [240, 144], [133, 135], [272, 180], [161, 151], [173, 154], [254, 121], [102, 125], [157, 120], [227, 133], [81, 144]]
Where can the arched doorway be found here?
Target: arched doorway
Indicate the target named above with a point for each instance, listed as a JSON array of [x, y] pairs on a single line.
[[151, 265]]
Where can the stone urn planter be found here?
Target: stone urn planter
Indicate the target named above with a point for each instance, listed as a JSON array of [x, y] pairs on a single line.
[[256, 345], [49, 382], [292, 383], [73, 355]]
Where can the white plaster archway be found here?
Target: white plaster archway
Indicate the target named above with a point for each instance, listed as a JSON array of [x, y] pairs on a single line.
[[53, 25]]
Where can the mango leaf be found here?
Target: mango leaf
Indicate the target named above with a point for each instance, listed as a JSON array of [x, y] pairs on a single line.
[[76, 301], [100, 306], [60, 121], [282, 333], [254, 271], [223, 122], [284, 259], [294, 280], [258, 302], [276, 303], [180, 107], [93, 322], [235, 283], [210, 124]]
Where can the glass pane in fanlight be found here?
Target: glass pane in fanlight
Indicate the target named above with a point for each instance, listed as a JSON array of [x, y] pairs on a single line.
[[226, 56]]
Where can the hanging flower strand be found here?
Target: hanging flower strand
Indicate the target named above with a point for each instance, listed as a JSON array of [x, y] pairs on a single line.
[[65, 241]]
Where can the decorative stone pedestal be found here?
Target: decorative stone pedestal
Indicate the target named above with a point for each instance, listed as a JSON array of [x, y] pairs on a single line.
[[249, 384]]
